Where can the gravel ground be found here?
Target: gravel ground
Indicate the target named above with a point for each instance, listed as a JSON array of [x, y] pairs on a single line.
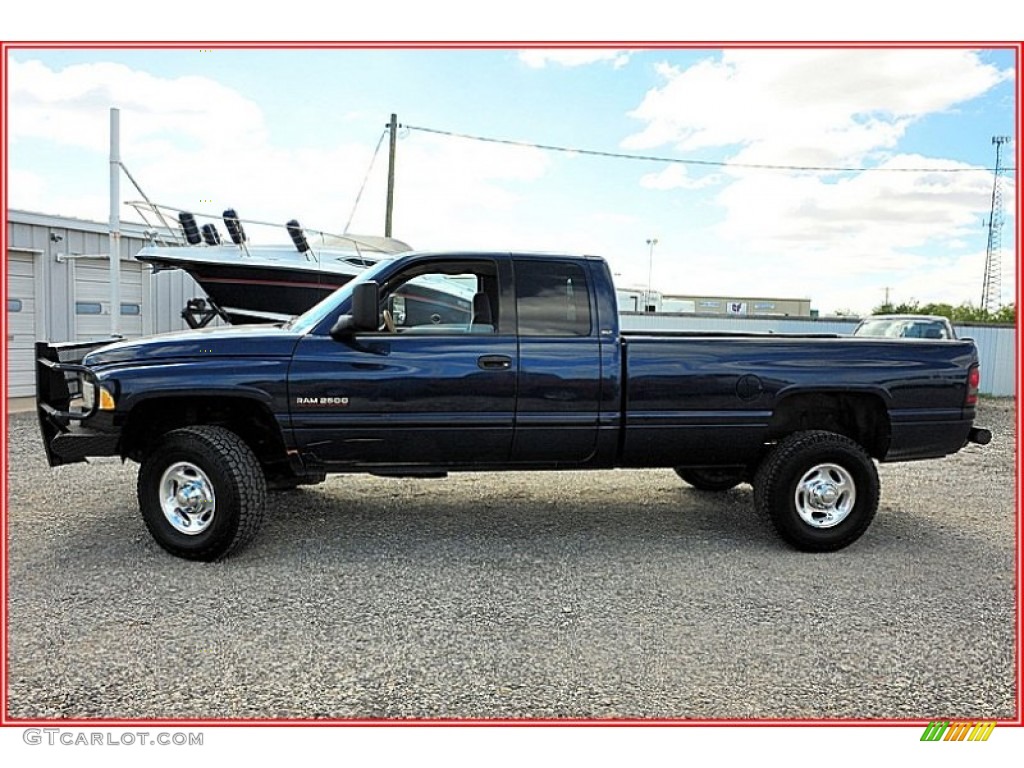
[[565, 595]]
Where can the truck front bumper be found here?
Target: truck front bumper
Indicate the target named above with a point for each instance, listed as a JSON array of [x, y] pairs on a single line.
[[66, 438], [78, 444]]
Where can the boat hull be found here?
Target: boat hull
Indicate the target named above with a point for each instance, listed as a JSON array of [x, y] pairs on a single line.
[[273, 291], [273, 286], [247, 289]]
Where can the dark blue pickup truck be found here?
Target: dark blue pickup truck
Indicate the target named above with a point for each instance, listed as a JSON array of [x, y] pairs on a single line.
[[438, 362]]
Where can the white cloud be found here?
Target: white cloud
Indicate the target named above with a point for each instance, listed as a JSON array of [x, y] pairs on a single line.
[[839, 237], [31, 186], [809, 107], [675, 176], [70, 107], [875, 215], [538, 58], [462, 194], [881, 228], [194, 143]]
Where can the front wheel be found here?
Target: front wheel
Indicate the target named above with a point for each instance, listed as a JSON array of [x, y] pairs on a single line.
[[819, 489], [711, 479], [202, 492]]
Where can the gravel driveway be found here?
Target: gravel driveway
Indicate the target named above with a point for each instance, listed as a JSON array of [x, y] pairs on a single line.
[[567, 595]]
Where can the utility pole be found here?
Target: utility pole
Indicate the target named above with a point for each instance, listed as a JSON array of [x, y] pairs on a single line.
[[991, 291], [651, 242], [115, 221], [393, 126]]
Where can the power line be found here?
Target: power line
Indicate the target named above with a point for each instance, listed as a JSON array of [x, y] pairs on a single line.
[[690, 161]]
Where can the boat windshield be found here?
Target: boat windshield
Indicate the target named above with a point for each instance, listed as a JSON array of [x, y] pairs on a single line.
[[312, 317]]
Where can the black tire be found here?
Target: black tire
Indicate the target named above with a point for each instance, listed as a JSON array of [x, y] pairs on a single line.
[[819, 490], [712, 479], [215, 470]]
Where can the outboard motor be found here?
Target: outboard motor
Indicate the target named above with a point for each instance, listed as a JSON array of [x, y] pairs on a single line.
[[190, 228], [298, 237], [211, 235], [234, 225]]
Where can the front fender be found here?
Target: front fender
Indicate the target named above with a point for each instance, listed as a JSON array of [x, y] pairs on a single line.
[[264, 381]]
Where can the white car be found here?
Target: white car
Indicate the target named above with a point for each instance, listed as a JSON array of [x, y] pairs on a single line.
[[905, 327]]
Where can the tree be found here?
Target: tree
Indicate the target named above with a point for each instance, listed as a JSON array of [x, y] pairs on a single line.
[[965, 313]]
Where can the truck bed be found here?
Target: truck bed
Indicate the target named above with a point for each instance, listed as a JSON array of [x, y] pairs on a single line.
[[720, 397]]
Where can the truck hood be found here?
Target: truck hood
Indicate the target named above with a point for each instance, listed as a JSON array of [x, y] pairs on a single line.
[[263, 341]]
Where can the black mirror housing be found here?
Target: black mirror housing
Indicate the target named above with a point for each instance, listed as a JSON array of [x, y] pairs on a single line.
[[365, 315], [366, 306], [342, 328]]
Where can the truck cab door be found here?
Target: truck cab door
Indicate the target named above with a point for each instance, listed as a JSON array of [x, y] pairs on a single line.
[[559, 362], [434, 386]]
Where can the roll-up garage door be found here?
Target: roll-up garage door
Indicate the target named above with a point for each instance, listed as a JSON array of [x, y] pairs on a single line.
[[21, 323], [92, 299]]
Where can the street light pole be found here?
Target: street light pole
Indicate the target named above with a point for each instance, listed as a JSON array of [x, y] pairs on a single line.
[[651, 242]]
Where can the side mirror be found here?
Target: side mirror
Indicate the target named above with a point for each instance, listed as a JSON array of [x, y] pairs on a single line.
[[365, 312], [342, 328], [366, 306]]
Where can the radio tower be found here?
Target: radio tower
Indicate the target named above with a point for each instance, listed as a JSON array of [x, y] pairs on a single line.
[[991, 292]]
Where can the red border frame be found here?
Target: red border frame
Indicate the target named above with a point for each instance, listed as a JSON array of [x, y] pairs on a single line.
[[5, 47]]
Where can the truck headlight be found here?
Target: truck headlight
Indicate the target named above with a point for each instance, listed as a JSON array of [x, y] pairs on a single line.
[[89, 394]]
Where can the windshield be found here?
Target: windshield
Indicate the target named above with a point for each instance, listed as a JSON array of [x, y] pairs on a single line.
[[315, 315], [902, 328]]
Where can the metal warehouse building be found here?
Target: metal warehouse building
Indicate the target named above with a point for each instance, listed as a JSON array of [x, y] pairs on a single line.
[[58, 288]]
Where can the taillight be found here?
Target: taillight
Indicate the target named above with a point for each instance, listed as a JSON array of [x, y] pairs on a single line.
[[973, 382]]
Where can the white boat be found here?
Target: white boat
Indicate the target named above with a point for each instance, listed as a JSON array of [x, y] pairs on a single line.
[[257, 283]]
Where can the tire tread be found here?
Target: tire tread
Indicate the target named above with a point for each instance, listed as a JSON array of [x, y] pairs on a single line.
[[249, 484], [776, 462]]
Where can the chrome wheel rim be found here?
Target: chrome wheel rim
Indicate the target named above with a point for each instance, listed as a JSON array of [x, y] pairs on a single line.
[[187, 498], [825, 495]]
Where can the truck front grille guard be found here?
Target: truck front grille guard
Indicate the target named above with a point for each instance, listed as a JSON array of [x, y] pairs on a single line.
[[59, 376]]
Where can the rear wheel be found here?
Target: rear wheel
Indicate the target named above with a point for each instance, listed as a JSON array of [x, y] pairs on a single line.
[[711, 479], [201, 492], [819, 489]]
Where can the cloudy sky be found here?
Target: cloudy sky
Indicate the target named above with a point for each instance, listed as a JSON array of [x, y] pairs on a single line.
[[281, 134]]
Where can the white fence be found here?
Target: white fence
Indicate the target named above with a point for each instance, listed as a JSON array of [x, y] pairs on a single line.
[[997, 344]]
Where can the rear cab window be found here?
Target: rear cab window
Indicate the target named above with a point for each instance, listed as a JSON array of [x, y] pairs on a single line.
[[552, 298]]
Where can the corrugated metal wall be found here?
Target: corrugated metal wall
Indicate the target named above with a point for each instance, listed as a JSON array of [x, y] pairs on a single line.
[[170, 290], [997, 345], [59, 244], [997, 349], [22, 317], [62, 262]]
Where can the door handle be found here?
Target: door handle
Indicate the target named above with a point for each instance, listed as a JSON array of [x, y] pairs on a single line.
[[494, 362]]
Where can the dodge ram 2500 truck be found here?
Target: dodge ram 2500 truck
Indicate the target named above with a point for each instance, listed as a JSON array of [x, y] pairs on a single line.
[[389, 376]]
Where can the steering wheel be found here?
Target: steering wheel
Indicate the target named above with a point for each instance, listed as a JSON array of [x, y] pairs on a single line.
[[389, 321]]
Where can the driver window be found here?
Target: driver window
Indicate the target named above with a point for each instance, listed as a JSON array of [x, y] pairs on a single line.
[[443, 298]]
